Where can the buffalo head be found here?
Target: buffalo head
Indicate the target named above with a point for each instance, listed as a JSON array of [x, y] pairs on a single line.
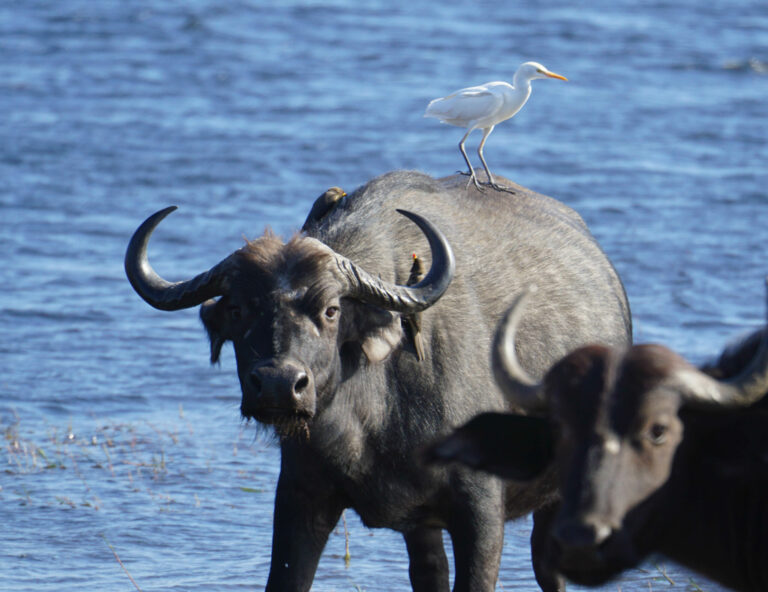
[[612, 421], [298, 313]]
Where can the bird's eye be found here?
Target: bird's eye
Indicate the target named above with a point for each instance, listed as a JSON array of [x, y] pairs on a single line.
[[331, 312], [658, 433]]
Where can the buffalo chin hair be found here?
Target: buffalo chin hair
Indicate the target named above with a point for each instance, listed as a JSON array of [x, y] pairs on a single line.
[[292, 428], [287, 427]]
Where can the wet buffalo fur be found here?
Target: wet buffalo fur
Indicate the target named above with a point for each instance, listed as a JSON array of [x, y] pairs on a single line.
[[349, 398], [689, 482]]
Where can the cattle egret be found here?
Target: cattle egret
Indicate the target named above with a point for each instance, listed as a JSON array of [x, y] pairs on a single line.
[[485, 106]]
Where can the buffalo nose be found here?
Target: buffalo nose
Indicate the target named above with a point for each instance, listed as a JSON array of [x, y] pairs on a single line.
[[280, 383], [580, 534]]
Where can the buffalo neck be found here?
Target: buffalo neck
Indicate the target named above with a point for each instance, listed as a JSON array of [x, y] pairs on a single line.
[[719, 524]]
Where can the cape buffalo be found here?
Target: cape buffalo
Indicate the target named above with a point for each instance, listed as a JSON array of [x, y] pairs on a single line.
[[654, 455], [317, 329]]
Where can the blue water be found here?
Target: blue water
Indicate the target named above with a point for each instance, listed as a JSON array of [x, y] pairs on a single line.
[[116, 431]]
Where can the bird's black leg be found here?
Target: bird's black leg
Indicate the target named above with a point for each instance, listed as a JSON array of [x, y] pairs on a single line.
[[486, 132], [491, 181], [471, 173], [498, 187]]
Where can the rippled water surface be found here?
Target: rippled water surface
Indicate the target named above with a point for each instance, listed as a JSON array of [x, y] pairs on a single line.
[[120, 441]]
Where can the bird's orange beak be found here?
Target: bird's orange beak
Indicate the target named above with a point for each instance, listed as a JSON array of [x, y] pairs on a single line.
[[558, 76]]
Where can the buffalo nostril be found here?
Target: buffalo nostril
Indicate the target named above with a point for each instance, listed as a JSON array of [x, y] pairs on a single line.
[[577, 534], [278, 385], [301, 384]]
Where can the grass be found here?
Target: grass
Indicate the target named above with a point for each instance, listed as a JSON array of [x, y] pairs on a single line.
[[122, 474], [78, 467], [121, 564]]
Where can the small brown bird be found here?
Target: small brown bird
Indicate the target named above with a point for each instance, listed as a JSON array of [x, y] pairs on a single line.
[[323, 205], [413, 321]]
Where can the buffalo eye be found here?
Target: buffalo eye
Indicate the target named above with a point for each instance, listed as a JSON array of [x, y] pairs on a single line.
[[657, 433], [331, 313]]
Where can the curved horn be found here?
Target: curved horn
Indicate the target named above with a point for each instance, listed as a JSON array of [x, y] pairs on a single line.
[[512, 379], [155, 290], [747, 387], [405, 299]]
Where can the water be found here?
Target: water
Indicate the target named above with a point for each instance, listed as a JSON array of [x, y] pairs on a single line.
[[118, 432]]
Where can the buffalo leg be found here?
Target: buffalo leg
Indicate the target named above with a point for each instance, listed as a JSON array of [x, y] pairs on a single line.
[[428, 566], [541, 550], [303, 521], [477, 532]]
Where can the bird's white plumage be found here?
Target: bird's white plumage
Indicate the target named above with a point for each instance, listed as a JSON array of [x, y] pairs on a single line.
[[466, 106], [484, 106]]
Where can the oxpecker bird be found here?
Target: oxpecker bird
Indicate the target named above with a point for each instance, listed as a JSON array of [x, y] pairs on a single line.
[[413, 321], [324, 204]]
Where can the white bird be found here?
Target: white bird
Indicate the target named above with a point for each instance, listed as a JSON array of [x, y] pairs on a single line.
[[485, 106]]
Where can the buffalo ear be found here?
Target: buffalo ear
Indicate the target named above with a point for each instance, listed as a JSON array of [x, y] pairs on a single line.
[[213, 320], [378, 332], [514, 447], [216, 344], [379, 343]]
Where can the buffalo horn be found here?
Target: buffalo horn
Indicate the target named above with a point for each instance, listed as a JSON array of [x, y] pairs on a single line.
[[155, 290], [512, 379], [745, 388], [404, 299], [362, 285]]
